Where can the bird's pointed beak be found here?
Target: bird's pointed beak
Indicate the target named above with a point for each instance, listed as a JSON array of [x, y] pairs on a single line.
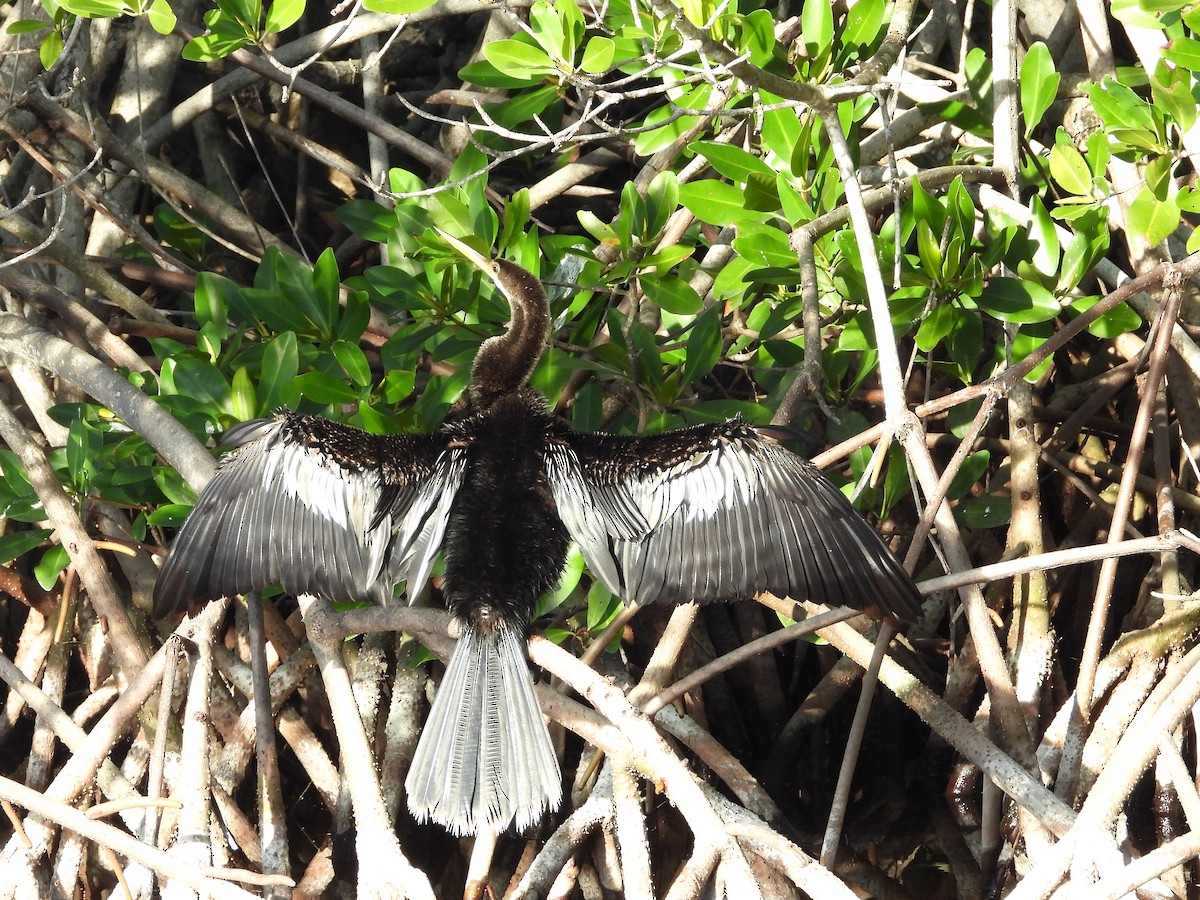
[[469, 253]]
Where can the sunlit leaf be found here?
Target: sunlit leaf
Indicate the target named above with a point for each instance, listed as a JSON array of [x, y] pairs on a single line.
[[1039, 85]]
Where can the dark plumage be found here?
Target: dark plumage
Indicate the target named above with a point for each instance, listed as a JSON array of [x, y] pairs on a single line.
[[713, 512]]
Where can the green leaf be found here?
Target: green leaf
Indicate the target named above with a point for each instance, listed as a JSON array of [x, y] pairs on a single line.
[[1039, 84], [27, 26], [929, 252], [1119, 320], [1172, 90], [573, 26], [1119, 107], [1070, 170], [662, 199], [50, 49], [732, 162], [1017, 301], [936, 326], [602, 607], [242, 395], [598, 55], [703, 346], [351, 358], [984, 512], [1158, 176], [761, 195], [95, 9], [519, 59], [18, 543], [368, 220], [758, 36], [547, 27], [968, 474], [1044, 236], [1135, 13], [864, 23], [326, 286], [210, 47], [169, 515], [283, 14], [698, 12], [715, 202], [816, 21], [1185, 52], [978, 69], [53, 561], [280, 363], [672, 293], [1152, 219], [161, 16], [398, 7], [324, 389]]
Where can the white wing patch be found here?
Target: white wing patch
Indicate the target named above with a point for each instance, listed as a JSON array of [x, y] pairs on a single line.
[[282, 509]]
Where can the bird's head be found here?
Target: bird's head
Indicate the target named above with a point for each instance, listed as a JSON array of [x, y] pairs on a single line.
[[505, 362]]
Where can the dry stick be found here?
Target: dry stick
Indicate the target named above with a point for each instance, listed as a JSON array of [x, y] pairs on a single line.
[[736, 657], [78, 773], [666, 654], [1171, 700], [304, 144], [1008, 715], [168, 180], [339, 34], [1055, 559], [210, 882], [173, 442], [375, 839], [947, 723], [1069, 768], [858, 727], [653, 758], [126, 642], [482, 852], [1189, 798], [354, 115], [94, 276], [271, 816], [723, 764], [1030, 639], [194, 840], [1137, 873], [111, 781], [804, 871], [630, 829], [596, 812], [103, 201], [76, 315], [175, 652]]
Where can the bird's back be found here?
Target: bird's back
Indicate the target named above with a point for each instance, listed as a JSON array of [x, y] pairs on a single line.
[[505, 545]]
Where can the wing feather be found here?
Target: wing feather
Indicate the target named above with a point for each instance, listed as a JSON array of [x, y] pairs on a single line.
[[719, 513], [316, 507]]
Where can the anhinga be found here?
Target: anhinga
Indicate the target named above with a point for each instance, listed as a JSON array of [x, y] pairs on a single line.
[[711, 512]]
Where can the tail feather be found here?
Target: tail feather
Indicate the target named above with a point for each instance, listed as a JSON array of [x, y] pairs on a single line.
[[485, 760]]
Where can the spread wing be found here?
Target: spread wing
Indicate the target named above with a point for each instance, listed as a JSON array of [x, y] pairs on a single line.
[[318, 508], [719, 513]]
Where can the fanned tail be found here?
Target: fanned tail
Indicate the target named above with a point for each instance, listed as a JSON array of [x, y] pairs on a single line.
[[485, 760]]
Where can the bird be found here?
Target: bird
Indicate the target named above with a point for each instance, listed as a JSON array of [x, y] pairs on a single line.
[[711, 512]]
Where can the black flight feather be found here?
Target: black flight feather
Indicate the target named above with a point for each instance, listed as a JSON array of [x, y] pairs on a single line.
[[709, 513]]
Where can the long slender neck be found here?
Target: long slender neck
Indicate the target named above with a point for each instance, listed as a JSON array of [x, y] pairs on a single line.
[[505, 362]]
